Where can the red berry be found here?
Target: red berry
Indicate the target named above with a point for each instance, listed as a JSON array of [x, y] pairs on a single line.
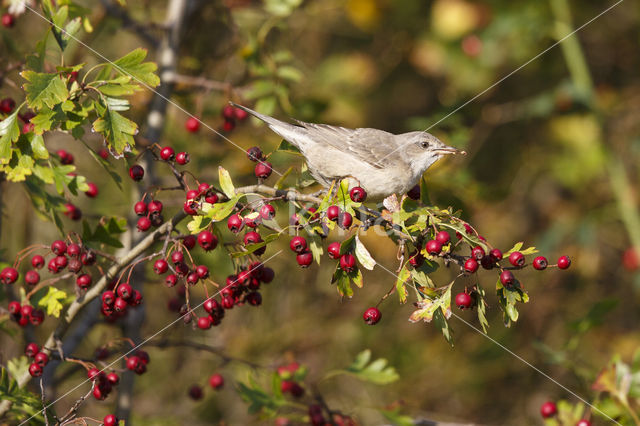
[[110, 420], [471, 265], [103, 153], [171, 280], [228, 112], [333, 212], [177, 257], [496, 255], [52, 266], [36, 317], [88, 258], [564, 262], [72, 212], [517, 259], [235, 223], [267, 275], [31, 350], [240, 114], [548, 409], [192, 124], [304, 259], [477, 252], [540, 263], [443, 237], [61, 262], [358, 194], [506, 278], [120, 305], [267, 212], [630, 259], [124, 290], [433, 247], [7, 104], [202, 271], [192, 194], [347, 262], [207, 240], [155, 206], [167, 153], [414, 193], [37, 261], [463, 301], [183, 158], [14, 307], [190, 207], [192, 278], [84, 281], [204, 323], [133, 362], [92, 192], [140, 208], [136, 172], [228, 125], [227, 302], [94, 374], [160, 266], [372, 316], [263, 170], [73, 250], [254, 298], [59, 247], [143, 224], [583, 422], [416, 259], [41, 359], [65, 157], [488, 262], [216, 381], [345, 220], [35, 370], [211, 197], [9, 275], [333, 250], [254, 153], [298, 244], [108, 297], [251, 237], [189, 242], [195, 392], [113, 378]]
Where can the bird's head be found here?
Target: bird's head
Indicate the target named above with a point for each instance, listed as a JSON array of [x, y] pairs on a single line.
[[422, 149]]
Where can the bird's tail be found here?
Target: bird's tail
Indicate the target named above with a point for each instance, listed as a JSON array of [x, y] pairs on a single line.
[[269, 120], [290, 132]]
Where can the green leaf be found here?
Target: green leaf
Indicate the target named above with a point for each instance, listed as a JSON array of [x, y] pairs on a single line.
[[356, 277], [343, 282], [363, 255], [37, 146], [219, 211], [286, 146], [280, 182], [116, 129], [377, 371], [397, 419], [258, 399], [25, 403], [131, 64], [403, 277], [18, 367], [315, 245], [289, 72], [225, 182], [482, 308], [9, 132], [44, 89], [53, 301], [105, 233]]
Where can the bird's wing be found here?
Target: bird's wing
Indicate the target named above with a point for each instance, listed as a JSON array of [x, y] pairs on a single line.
[[371, 146]]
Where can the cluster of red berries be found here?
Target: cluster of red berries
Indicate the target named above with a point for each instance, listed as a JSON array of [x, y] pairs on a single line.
[[168, 154], [288, 384], [150, 214], [263, 168], [195, 197], [116, 301], [230, 114], [216, 381], [549, 410], [138, 362], [103, 383], [40, 359], [25, 314]]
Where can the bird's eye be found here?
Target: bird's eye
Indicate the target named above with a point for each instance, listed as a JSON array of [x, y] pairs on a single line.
[[424, 144]]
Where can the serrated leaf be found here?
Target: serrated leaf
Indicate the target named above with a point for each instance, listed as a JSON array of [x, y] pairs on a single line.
[[401, 289], [220, 211], [53, 301], [363, 255], [377, 371], [225, 182], [43, 89], [18, 367], [131, 64], [116, 129], [9, 133], [37, 146], [198, 223]]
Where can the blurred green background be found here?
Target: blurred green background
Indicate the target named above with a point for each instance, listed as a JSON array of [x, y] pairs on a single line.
[[553, 161]]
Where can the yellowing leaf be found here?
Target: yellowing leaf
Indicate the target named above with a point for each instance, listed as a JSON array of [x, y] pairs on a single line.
[[44, 89], [52, 301], [225, 182], [363, 255], [116, 129]]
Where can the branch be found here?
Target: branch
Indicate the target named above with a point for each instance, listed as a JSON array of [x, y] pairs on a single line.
[[287, 195], [128, 22], [202, 82], [166, 343]]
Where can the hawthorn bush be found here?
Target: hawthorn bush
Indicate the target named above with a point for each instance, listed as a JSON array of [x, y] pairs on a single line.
[[167, 226]]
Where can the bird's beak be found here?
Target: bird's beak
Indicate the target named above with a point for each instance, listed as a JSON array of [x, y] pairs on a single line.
[[449, 150]]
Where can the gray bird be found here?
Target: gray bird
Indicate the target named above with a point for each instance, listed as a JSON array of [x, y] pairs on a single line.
[[380, 162]]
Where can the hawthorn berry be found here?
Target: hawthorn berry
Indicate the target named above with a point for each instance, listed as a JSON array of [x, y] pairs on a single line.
[[52, 266], [266, 275], [211, 197], [7, 105], [136, 172], [548, 409], [416, 259], [347, 262], [155, 206], [133, 362], [92, 192], [103, 153], [333, 250], [88, 258], [192, 278], [583, 422], [372, 316], [216, 381], [9, 275], [235, 223], [31, 350], [108, 297], [195, 392], [59, 247], [189, 242], [65, 157], [113, 378], [304, 259], [37, 261], [192, 194], [517, 259], [204, 323], [192, 124], [333, 212], [227, 302], [61, 262], [120, 305], [443, 237], [84, 281], [177, 257], [160, 266], [207, 240], [414, 193], [72, 212], [345, 220], [14, 307], [183, 158], [190, 207], [167, 153], [630, 259], [496, 255], [8, 20], [263, 170], [433, 247], [144, 223], [94, 374], [202, 271], [36, 317], [251, 237], [140, 208], [228, 125], [171, 280], [267, 212], [471, 265], [463, 301], [564, 262], [358, 194], [254, 153], [73, 250], [506, 278], [540, 263], [228, 112], [35, 370], [124, 291], [298, 244], [41, 359], [477, 252], [254, 298]]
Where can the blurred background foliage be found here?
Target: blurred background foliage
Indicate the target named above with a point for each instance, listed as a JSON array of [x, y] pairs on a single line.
[[553, 161]]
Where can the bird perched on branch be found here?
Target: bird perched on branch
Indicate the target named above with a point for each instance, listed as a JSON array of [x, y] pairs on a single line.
[[380, 162]]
